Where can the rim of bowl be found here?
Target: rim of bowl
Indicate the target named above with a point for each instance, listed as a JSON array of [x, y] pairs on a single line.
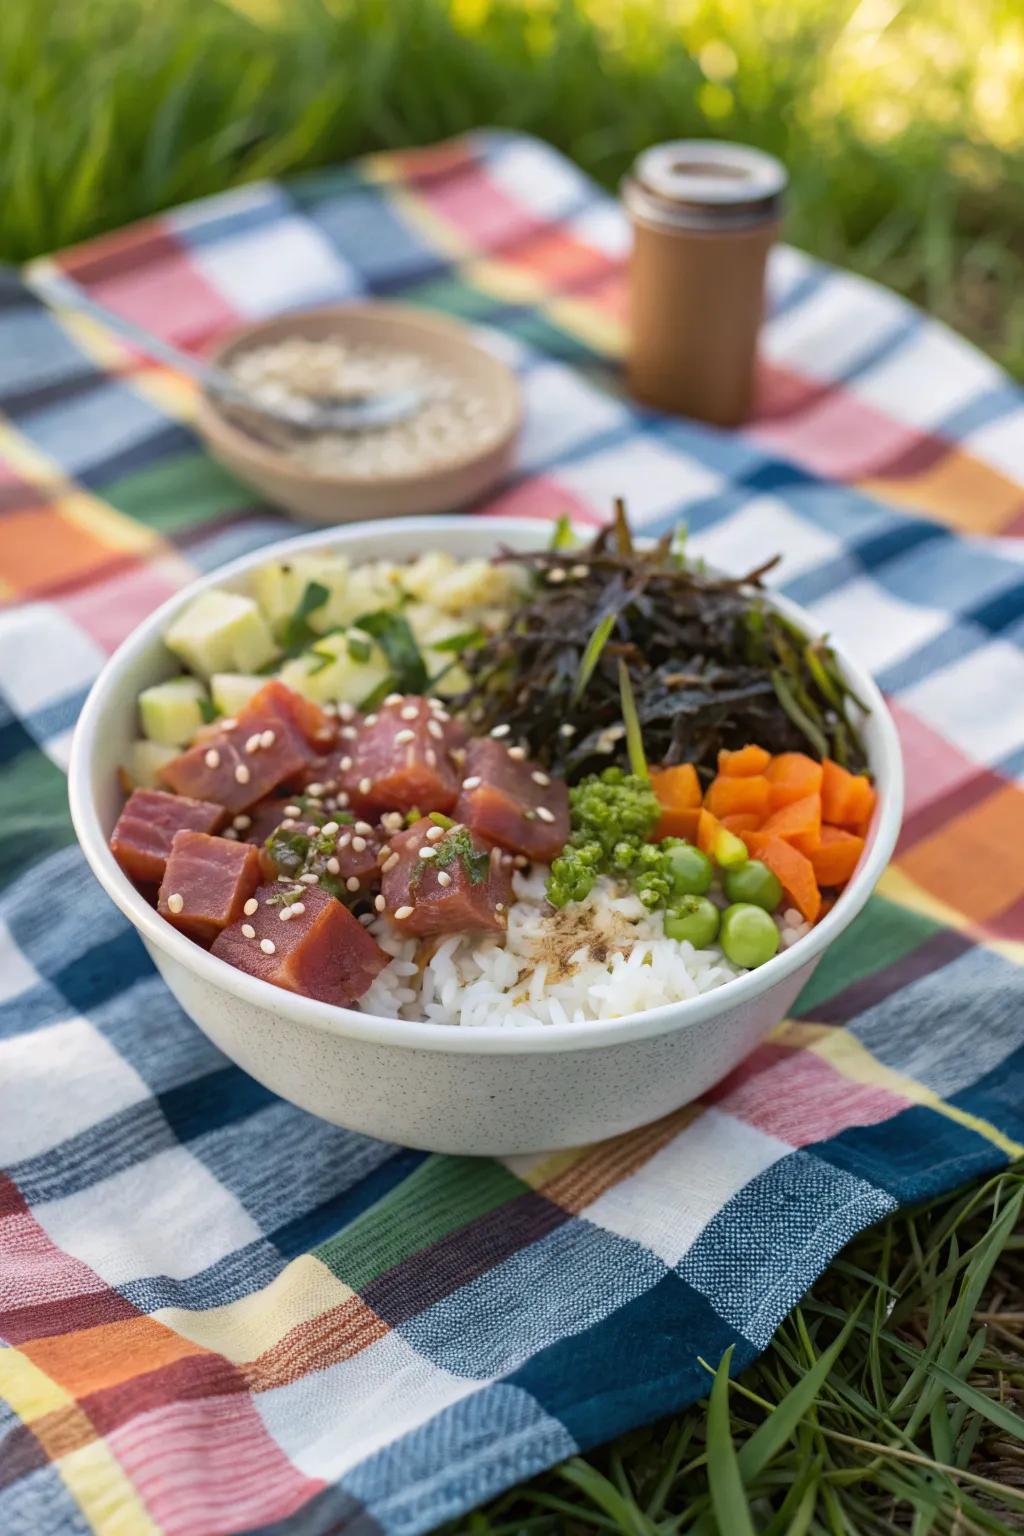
[[496, 1039], [212, 424]]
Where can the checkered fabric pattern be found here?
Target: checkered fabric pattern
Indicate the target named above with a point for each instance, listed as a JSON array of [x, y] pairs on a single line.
[[224, 1316]]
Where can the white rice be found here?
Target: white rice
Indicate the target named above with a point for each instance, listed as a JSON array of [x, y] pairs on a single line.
[[626, 964]]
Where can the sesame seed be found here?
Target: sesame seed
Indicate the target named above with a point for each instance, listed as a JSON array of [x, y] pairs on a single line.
[[443, 877], [346, 711], [403, 913], [314, 791], [254, 743], [293, 810], [402, 737], [212, 758], [248, 931], [351, 884], [242, 822], [296, 909], [175, 902], [545, 814], [393, 698], [285, 914], [472, 782], [431, 757], [268, 738], [370, 720], [410, 712], [268, 946], [242, 774], [358, 844], [309, 879], [342, 799], [427, 852], [333, 867], [579, 571], [556, 575], [436, 729], [540, 778], [344, 840], [251, 906], [567, 729], [329, 828], [290, 823], [389, 863], [230, 832], [499, 906], [349, 732], [520, 861], [365, 830], [517, 754], [345, 764], [500, 730], [312, 830], [365, 785], [391, 821], [434, 834], [379, 903], [441, 714], [228, 723]]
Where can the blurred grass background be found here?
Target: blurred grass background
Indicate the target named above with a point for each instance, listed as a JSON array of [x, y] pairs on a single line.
[[902, 123]]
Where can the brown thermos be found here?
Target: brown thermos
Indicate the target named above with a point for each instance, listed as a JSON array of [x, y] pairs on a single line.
[[704, 217]]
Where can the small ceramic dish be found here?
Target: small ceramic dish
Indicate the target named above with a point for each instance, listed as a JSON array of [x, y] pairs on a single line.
[[488, 1090], [339, 497]]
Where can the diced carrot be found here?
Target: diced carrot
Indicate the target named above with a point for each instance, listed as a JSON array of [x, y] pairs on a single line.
[[799, 823], [707, 831], [792, 776], [679, 794], [741, 821], [745, 763], [730, 796], [682, 823], [793, 868], [836, 858], [677, 788], [847, 799]]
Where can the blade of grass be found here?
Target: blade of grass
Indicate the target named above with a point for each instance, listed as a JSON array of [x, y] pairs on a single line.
[[997, 1413], [728, 1499]]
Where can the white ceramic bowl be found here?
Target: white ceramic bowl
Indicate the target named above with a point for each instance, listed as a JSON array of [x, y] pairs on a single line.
[[483, 1091]]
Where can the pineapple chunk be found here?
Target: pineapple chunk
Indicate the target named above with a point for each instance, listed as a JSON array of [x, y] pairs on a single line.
[[231, 691], [145, 759], [221, 632], [172, 712], [329, 674]]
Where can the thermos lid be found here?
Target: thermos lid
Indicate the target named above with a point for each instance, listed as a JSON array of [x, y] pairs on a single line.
[[705, 184]]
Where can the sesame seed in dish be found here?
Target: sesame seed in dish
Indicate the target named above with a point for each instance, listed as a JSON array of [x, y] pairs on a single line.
[[452, 421]]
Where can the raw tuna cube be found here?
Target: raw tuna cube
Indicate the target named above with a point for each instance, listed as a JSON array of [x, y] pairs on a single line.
[[460, 884], [263, 818], [263, 748], [512, 802], [345, 860], [400, 759], [358, 854], [313, 946], [141, 840], [206, 883]]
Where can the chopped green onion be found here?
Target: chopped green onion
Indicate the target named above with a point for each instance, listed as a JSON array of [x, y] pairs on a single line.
[[297, 632], [562, 536], [592, 655], [634, 738], [395, 638]]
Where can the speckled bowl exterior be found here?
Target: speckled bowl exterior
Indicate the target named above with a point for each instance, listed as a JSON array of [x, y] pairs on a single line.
[[486, 1091]]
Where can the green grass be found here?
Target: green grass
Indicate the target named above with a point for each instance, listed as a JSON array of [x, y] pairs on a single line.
[[892, 1399], [901, 122]]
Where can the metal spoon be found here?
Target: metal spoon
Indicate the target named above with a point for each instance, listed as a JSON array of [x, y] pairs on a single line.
[[322, 414]]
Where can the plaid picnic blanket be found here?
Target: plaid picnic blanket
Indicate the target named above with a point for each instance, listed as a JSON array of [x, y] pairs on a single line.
[[222, 1315]]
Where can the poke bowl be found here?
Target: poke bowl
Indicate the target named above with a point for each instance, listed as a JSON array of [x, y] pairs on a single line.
[[418, 834]]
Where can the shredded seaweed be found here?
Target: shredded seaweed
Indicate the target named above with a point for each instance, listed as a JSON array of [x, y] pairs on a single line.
[[710, 662]]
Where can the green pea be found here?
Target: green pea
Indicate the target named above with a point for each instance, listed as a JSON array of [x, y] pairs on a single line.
[[693, 919], [755, 883], [748, 936], [689, 871]]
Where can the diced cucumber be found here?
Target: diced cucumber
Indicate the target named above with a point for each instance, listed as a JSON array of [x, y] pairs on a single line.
[[221, 632], [277, 589], [145, 759], [172, 712], [330, 674], [231, 691]]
